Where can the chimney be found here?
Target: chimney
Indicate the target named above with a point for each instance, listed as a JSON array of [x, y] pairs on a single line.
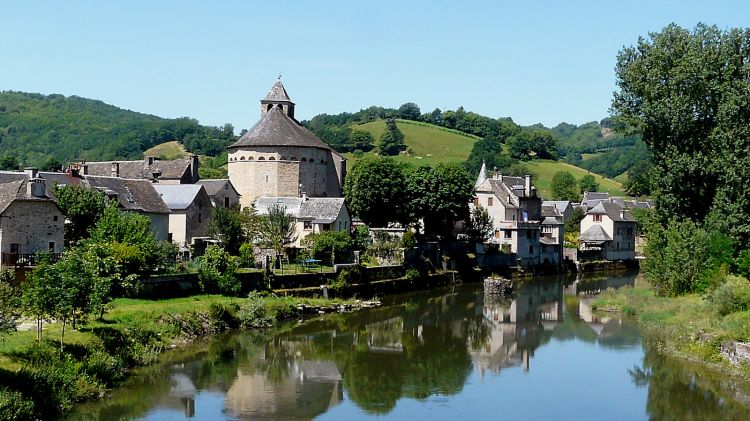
[[194, 162], [155, 175], [622, 213], [527, 185], [150, 160], [115, 169], [85, 169], [304, 197], [35, 187], [31, 172]]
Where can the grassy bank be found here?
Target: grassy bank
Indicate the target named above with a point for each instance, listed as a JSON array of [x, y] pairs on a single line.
[[687, 326], [98, 355]]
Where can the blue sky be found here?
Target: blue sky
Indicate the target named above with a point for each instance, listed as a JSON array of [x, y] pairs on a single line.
[[535, 61]]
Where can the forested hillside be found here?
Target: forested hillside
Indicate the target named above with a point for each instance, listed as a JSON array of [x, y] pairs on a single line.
[[48, 130]]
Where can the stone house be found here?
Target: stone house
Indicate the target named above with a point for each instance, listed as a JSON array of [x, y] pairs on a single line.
[[516, 211], [30, 220], [174, 171], [134, 195], [278, 157], [553, 233], [221, 192], [313, 214], [608, 232], [190, 208]]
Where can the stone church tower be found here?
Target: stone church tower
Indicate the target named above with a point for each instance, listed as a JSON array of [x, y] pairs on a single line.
[[279, 157]]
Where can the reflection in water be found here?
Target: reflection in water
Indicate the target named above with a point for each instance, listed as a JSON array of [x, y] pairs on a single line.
[[441, 349]]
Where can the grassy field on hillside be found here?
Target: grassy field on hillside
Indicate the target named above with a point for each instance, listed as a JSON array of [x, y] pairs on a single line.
[[544, 170], [430, 144], [168, 150]]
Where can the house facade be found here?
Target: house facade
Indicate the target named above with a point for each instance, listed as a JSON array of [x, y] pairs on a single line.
[[30, 220], [552, 236], [190, 212], [516, 211], [608, 232], [312, 214]]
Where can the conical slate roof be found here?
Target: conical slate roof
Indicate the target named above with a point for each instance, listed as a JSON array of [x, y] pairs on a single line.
[[277, 93], [482, 176], [277, 129]]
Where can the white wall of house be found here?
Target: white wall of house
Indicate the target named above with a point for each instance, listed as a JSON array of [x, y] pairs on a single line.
[[343, 222], [177, 227], [622, 246]]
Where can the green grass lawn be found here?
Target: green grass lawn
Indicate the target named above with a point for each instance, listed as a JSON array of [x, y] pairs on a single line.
[[587, 156], [544, 170]]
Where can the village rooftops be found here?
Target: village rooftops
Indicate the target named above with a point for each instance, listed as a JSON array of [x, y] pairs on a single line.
[[184, 169], [11, 191], [561, 205], [319, 210], [277, 129], [134, 195], [214, 186], [552, 216], [178, 196], [615, 212]]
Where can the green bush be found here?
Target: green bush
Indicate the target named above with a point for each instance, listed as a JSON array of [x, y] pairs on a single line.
[[15, 406], [253, 314], [246, 258], [327, 245], [216, 271], [731, 296], [222, 317]]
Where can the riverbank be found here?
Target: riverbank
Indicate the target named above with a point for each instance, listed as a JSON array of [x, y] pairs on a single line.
[[686, 327], [134, 332]]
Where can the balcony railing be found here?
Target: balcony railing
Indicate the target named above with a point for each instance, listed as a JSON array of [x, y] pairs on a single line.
[[26, 259]]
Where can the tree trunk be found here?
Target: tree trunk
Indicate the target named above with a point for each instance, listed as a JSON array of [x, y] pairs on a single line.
[[101, 313], [62, 335], [39, 328]]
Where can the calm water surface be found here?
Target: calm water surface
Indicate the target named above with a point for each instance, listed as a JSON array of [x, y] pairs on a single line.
[[442, 354]]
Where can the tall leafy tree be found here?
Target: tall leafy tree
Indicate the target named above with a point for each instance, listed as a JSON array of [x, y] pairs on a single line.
[[588, 183], [480, 225], [688, 94], [409, 111], [375, 191], [82, 207], [392, 140], [278, 229], [226, 225], [440, 196], [564, 186]]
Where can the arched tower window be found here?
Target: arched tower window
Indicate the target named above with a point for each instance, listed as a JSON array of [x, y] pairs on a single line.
[[271, 159], [242, 158], [261, 159], [269, 107], [304, 159]]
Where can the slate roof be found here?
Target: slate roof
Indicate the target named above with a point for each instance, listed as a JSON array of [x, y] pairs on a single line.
[[275, 128], [136, 195], [277, 93], [595, 234], [316, 209], [612, 210], [591, 199], [561, 205], [482, 176], [7, 176], [551, 215], [11, 191], [216, 185], [173, 169], [178, 196]]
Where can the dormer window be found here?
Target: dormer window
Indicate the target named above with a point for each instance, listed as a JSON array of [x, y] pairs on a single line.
[[597, 218], [489, 201]]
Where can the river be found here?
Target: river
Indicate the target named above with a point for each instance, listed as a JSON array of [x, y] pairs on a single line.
[[443, 354]]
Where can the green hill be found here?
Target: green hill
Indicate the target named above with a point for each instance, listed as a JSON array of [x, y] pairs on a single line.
[[544, 170], [36, 129], [431, 144], [427, 143]]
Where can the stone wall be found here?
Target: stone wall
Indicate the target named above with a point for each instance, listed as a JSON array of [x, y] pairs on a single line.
[[33, 225]]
